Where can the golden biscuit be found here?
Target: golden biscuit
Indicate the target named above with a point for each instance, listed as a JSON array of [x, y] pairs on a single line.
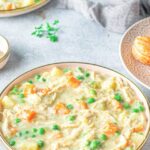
[[141, 49]]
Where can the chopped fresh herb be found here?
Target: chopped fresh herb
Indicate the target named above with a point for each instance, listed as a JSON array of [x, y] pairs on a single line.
[[17, 120], [70, 106], [47, 30], [90, 100], [39, 31], [118, 97], [55, 127], [55, 22], [52, 38], [40, 143]]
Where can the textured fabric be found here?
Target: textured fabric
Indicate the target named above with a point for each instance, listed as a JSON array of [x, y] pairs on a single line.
[[115, 15]]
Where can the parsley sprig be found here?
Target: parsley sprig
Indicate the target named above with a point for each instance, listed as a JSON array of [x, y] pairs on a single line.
[[47, 30]]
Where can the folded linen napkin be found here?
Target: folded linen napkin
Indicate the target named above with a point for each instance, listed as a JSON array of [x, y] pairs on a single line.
[[115, 15]]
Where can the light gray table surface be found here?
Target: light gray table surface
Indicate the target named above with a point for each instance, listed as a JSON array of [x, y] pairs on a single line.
[[79, 40]]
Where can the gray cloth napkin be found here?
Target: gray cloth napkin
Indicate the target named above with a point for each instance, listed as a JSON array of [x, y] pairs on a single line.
[[115, 15]]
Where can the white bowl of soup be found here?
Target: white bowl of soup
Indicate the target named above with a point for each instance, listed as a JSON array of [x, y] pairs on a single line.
[[73, 106], [4, 51]]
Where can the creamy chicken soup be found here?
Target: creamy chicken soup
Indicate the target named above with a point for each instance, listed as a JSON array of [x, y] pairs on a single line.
[[73, 109], [14, 4]]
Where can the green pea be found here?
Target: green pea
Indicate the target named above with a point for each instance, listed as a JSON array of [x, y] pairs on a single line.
[[135, 110], [118, 133], [12, 142], [103, 137], [126, 105], [55, 127], [43, 79], [72, 118], [93, 92], [17, 120], [40, 143], [95, 144], [90, 100], [70, 106], [34, 130], [87, 143], [30, 81], [14, 90], [118, 97], [140, 106], [33, 136], [21, 95], [86, 74], [80, 69], [41, 131], [19, 134], [24, 132], [37, 77], [66, 70], [80, 77]]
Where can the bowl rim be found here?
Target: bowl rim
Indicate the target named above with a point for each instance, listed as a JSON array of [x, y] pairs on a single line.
[[120, 51], [22, 10], [83, 63], [8, 50]]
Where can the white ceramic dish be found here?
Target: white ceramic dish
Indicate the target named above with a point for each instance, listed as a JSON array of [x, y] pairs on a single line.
[[4, 48], [138, 70], [21, 11]]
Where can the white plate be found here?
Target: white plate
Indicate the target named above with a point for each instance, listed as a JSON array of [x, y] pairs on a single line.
[[21, 11], [138, 70]]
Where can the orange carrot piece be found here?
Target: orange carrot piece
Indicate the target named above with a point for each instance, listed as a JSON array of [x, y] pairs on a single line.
[[61, 108], [111, 128], [118, 105], [10, 6], [29, 89], [59, 135], [73, 82], [131, 101], [44, 91], [31, 116], [84, 105], [138, 129]]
